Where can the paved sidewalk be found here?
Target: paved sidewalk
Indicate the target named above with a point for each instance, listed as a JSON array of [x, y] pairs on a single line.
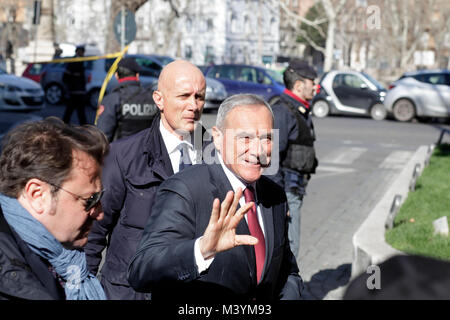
[[326, 249]]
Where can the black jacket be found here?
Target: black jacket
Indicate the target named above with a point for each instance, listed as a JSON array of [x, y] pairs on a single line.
[[165, 262], [134, 169], [296, 138], [23, 274], [74, 78]]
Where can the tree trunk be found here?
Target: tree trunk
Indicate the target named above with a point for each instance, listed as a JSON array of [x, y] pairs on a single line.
[[112, 45], [329, 45]]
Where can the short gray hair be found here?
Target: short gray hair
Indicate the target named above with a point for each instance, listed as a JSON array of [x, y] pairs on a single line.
[[238, 100]]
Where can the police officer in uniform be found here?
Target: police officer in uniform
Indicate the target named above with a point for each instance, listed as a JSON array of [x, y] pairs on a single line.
[[75, 80], [129, 108], [297, 160]]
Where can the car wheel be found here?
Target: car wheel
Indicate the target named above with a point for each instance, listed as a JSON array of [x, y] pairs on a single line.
[[54, 94], [93, 98], [320, 109], [404, 110], [378, 112]]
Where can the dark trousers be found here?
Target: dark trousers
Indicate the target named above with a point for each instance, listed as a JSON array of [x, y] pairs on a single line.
[[76, 102]]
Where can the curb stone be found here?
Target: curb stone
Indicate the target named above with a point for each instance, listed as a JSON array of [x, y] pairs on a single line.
[[369, 245]]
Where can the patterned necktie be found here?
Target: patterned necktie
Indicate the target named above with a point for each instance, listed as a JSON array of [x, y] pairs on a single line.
[[185, 161], [255, 231]]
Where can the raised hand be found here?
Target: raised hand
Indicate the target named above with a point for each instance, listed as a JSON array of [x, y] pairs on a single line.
[[220, 235]]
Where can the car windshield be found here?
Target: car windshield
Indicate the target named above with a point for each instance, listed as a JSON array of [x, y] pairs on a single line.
[[277, 76], [164, 60], [375, 82]]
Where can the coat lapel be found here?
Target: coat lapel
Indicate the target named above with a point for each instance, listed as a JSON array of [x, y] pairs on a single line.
[[267, 216]]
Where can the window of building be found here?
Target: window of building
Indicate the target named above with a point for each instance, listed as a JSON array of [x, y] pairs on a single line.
[[189, 24], [247, 28], [188, 52], [209, 25], [233, 23], [273, 26]]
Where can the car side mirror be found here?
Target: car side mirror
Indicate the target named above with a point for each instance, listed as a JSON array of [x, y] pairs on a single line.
[[363, 86]]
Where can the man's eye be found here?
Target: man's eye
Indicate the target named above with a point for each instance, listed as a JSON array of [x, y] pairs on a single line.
[[244, 139]]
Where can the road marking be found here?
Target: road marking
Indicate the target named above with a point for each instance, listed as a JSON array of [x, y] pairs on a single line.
[[328, 171], [389, 145], [344, 155], [351, 142], [396, 160]]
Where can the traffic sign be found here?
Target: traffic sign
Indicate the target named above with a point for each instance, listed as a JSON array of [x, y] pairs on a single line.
[[125, 27]]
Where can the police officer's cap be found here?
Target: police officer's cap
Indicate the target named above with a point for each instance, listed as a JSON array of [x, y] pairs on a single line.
[[130, 64], [302, 68]]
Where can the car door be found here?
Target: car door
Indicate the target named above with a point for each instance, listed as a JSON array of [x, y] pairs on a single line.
[[437, 90], [352, 91]]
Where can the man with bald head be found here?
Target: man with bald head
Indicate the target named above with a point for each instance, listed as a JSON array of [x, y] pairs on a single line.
[[137, 165]]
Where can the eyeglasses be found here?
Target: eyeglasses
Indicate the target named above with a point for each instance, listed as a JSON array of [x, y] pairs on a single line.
[[90, 202]]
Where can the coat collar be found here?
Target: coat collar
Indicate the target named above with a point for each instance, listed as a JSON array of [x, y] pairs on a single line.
[[296, 102]]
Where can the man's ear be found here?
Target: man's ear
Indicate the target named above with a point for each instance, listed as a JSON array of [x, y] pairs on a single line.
[[37, 195], [159, 100], [217, 138]]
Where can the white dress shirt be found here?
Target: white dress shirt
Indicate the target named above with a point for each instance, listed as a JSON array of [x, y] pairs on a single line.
[[172, 143], [203, 264]]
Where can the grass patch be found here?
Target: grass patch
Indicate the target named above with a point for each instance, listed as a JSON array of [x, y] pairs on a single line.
[[413, 225]]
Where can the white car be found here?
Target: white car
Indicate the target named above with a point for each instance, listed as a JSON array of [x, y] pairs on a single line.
[[19, 93], [420, 94]]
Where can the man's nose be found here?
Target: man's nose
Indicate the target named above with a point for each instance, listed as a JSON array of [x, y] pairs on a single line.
[[256, 146], [194, 103]]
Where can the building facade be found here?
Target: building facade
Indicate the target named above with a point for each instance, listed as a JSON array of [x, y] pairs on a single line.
[[210, 31]]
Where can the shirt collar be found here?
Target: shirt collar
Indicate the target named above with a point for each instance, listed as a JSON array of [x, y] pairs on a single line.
[[170, 140], [128, 79], [232, 178]]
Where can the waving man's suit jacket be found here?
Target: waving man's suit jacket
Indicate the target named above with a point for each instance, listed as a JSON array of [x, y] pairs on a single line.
[[165, 264]]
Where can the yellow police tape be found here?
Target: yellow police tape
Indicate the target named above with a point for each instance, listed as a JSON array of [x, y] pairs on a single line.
[[108, 77], [78, 59], [111, 71]]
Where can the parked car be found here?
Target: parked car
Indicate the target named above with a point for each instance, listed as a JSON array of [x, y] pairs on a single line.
[[34, 71], [19, 93], [52, 82], [349, 92], [96, 71], [423, 93], [240, 78]]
